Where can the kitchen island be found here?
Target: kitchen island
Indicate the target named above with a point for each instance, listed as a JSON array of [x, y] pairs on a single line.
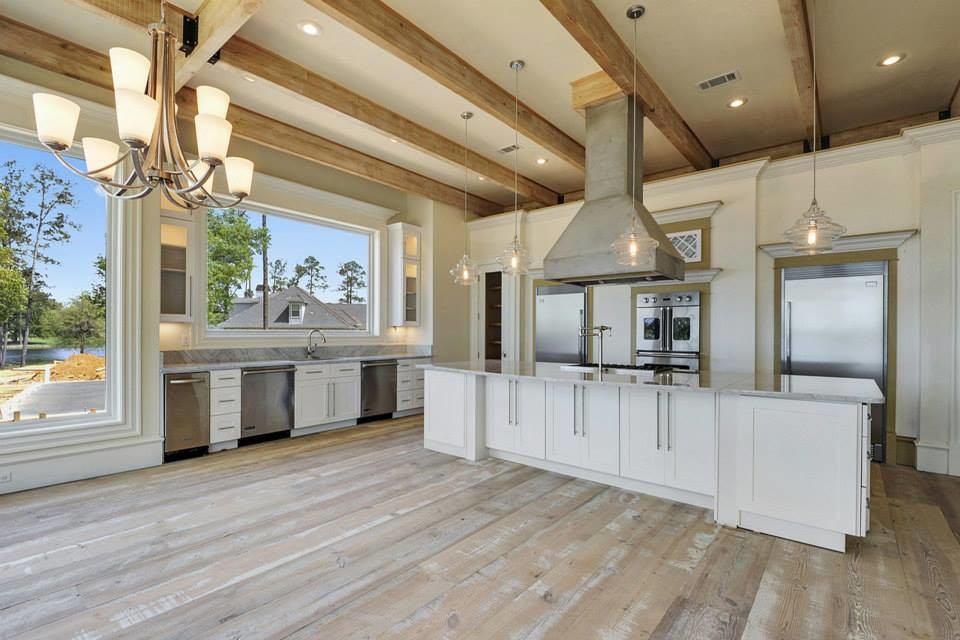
[[785, 455]]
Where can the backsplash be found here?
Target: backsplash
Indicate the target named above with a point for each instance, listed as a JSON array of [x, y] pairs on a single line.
[[213, 356]]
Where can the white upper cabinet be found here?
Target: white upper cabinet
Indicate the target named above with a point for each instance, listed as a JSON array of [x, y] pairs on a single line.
[[176, 269], [403, 250]]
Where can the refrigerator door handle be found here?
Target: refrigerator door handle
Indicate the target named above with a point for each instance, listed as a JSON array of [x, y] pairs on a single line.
[[787, 337]]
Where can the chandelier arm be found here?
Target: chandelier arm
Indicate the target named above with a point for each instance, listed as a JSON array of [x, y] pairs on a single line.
[[192, 186], [171, 134], [122, 194], [138, 170], [89, 174], [177, 199]]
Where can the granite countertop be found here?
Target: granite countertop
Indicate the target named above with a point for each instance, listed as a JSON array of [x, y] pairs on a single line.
[[218, 366], [785, 386]]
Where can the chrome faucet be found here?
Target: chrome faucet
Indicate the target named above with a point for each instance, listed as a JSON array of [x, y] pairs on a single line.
[[311, 345], [589, 332]]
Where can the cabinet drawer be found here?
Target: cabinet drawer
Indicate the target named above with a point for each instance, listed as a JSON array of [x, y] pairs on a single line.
[[344, 369], [224, 427], [224, 400], [419, 375], [418, 397], [406, 381], [311, 372], [405, 400], [225, 378]]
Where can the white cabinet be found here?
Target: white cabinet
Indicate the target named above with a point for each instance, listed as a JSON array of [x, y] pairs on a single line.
[[516, 415], [583, 426], [445, 417], [410, 394], [326, 393], [225, 390], [176, 268], [403, 251], [669, 438]]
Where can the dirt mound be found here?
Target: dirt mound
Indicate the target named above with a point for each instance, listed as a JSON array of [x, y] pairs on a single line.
[[81, 366]]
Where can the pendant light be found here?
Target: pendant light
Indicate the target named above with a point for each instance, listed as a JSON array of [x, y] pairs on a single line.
[[634, 246], [515, 261], [814, 232], [465, 272]]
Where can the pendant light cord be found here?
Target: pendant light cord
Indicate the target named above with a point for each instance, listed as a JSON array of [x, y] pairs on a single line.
[[813, 47], [516, 152], [466, 176], [633, 98]]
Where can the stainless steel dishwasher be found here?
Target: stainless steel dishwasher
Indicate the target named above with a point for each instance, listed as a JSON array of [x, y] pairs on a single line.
[[266, 400], [378, 387], [186, 411]]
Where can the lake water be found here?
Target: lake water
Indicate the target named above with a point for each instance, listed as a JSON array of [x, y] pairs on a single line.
[[48, 354]]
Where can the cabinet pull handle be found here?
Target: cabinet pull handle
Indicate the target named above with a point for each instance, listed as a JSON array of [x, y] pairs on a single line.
[[658, 421], [583, 411], [574, 409], [516, 402], [509, 402], [668, 423]]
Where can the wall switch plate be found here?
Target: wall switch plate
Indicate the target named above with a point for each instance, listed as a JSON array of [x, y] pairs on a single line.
[[184, 341], [6, 476]]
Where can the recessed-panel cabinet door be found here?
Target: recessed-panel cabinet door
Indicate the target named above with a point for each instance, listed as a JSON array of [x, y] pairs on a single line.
[[690, 441], [345, 394], [564, 443], [311, 398], [641, 440], [445, 414], [530, 413], [600, 428], [499, 397]]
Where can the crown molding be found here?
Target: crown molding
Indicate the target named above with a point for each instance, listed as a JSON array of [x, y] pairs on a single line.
[[689, 212], [863, 242], [505, 219], [708, 177], [344, 203]]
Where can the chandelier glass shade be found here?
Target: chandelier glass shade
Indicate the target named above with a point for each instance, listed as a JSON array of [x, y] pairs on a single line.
[[634, 246], [515, 261], [465, 271], [814, 231], [144, 93]]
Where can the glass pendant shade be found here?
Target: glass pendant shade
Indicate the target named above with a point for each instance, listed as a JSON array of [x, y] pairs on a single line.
[[239, 175], [634, 246], [514, 261], [129, 69], [814, 231], [465, 272], [56, 120], [213, 137], [99, 155], [212, 101], [136, 116]]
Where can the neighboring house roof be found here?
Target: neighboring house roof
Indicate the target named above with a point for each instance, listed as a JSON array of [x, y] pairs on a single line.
[[248, 312]]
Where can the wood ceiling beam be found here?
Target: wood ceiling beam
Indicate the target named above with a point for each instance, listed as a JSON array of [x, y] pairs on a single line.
[[135, 13], [796, 29], [219, 21], [29, 45], [584, 21], [303, 84], [392, 32]]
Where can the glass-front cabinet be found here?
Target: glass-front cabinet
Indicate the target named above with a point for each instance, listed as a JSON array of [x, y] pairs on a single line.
[[176, 269], [404, 258]]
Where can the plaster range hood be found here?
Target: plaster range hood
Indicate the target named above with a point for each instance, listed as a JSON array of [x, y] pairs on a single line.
[[582, 255]]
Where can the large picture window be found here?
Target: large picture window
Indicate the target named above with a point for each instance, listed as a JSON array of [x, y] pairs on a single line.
[[278, 273], [53, 291]]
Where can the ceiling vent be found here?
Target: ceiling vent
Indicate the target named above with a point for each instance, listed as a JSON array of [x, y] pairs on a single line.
[[508, 149], [716, 81]]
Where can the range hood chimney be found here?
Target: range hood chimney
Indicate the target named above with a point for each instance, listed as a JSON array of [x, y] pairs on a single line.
[[582, 255]]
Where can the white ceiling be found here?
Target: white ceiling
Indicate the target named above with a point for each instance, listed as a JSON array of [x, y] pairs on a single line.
[[680, 43]]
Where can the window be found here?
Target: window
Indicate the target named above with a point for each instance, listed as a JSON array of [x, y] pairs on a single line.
[[308, 274], [53, 292]]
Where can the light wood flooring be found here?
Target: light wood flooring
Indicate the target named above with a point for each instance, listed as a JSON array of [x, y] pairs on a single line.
[[364, 534]]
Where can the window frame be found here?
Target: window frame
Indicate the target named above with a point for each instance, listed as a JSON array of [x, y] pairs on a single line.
[[211, 337], [121, 403]]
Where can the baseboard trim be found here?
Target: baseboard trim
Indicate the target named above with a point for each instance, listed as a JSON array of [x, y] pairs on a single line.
[[906, 451], [933, 457], [833, 540]]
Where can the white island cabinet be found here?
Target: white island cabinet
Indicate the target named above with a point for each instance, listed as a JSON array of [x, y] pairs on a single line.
[[785, 456]]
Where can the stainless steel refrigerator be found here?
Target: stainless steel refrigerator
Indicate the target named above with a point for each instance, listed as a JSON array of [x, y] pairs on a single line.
[[834, 323], [560, 312]]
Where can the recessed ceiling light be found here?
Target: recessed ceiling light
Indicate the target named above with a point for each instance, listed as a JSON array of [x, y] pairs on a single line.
[[541, 161], [393, 140], [892, 59], [736, 103], [309, 28], [249, 78], [481, 178]]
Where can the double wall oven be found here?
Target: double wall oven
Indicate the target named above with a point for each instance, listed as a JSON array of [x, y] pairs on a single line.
[[668, 331]]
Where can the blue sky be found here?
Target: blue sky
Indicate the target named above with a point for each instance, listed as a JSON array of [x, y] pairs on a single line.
[[75, 273], [294, 240]]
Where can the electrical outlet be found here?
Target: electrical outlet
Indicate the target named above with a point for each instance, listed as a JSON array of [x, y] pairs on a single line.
[[185, 341], [6, 476]]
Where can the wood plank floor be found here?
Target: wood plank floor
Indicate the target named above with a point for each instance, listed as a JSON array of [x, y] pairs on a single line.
[[364, 534]]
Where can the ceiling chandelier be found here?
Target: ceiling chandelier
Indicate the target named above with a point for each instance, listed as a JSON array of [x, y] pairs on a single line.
[[814, 231], [515, 261], [465, 271], [146, 108], [634, 246]]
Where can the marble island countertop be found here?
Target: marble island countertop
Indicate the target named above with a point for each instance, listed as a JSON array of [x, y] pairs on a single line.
[[784, 386], [244, 364]]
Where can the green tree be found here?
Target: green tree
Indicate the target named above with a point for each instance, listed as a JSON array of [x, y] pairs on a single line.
[[313, 271], [79, 323], [98, 292], [352, 276], [278, 275], [36, 213], [13, 289], [232, 243]]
